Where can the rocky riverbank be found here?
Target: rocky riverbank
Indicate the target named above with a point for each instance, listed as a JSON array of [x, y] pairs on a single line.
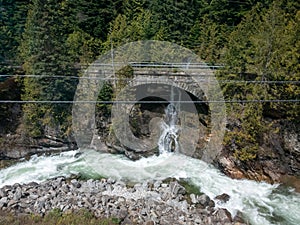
[[277, 160], [148, 203], [16, 146]]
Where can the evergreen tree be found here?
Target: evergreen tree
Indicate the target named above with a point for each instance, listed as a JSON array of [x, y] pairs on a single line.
[[12, 21], [93, 17], [83, 48], [132, 8], [45, 56], [208, 39], [261, 51], [124, 30], [173, 20]]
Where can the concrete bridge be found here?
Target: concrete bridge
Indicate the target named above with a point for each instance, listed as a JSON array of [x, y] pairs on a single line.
[[194, 78]]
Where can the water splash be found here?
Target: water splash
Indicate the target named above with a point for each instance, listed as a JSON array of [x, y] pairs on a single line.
[[40, 168], [168, 141]]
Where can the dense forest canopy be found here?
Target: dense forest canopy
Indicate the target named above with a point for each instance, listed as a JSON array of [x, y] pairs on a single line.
[[254, 40]]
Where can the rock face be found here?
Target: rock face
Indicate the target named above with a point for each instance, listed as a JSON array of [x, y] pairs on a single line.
[[278, 158], [15, 146], [146, 122], [145, 203]]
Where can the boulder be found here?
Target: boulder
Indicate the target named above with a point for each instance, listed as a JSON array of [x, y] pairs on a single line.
[[223, 198]]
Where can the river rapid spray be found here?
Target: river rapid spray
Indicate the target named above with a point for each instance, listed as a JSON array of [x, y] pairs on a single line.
[[260, 203]]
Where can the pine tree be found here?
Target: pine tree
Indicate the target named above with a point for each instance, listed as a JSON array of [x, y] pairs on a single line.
[[173, 20], [124, 30], [94, 17], [208, 40], [12, 21], [261, 50], [45, 56]]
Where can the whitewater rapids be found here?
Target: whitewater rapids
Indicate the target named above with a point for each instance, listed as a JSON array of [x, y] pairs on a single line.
[[259, 202]]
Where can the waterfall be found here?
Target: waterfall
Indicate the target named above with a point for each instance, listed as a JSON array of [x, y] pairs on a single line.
[[168, 141]]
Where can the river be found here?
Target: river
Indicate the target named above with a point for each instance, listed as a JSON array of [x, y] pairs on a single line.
[[259, 202]]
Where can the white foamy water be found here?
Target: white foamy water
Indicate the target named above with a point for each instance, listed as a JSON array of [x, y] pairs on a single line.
[[260, 203], [168, 141], [40, 168]]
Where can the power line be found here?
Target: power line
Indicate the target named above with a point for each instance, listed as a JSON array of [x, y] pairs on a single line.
[[147, 80], [39, 76], [153, 102], [261, 82]]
